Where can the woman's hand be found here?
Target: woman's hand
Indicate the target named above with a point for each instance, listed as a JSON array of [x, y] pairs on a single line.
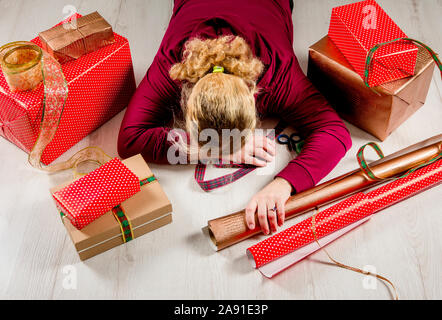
[[258, 151], [269, 203]]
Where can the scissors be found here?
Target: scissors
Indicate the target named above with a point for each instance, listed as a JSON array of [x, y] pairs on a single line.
[[293, 142]]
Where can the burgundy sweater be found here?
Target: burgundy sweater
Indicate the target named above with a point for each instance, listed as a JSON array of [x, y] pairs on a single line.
[[285, 92]]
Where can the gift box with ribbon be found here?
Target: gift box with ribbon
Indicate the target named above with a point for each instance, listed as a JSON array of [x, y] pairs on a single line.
[[378, 113], [81, 36], [358, 27], [98, 86], [116, 203], [90, 197]]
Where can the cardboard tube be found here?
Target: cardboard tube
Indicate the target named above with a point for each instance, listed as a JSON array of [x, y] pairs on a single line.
[[231, 229]]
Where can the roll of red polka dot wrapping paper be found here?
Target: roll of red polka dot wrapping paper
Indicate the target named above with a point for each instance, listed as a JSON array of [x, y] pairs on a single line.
[[288, 247], [88, 198], [287, 243], [100, 85], [401, 189], [356, 28]]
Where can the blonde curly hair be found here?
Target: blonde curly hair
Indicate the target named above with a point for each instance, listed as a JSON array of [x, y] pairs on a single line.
[[218, 100]]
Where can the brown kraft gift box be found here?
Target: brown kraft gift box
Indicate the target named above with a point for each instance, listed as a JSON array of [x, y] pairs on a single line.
[[147, 210], [66, 43], [377, 113]]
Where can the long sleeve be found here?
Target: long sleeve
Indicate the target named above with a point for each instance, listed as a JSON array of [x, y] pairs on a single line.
[[327, 139], [267, 27], [143, 129]]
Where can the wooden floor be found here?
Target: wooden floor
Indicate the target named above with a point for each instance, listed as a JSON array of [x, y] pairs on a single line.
[[37, 258]]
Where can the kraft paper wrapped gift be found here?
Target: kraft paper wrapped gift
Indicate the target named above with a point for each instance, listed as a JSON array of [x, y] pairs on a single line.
[[83, 35], [378, 113], [147, 210]]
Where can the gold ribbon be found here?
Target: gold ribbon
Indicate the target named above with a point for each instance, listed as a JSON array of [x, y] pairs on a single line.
[[54, 101], [344, 266]]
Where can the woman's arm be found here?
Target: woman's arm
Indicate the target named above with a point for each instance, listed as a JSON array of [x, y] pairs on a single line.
[[327, 140], [143, 129]]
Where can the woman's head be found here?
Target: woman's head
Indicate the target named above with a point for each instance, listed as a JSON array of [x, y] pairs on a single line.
[[221, 100]]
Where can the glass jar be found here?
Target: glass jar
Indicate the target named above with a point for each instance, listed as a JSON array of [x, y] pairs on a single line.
[[21, 65]]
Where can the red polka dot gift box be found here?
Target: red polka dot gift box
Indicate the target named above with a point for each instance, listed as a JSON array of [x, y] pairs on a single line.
[[113, 205], [357, 28], [378, 113], [100, 85], [91, 196]]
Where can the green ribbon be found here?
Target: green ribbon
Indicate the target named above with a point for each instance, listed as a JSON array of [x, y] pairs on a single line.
[[120, 216], [363, 163], [123, 220], [370, 56], [147, 181], [366, 169]]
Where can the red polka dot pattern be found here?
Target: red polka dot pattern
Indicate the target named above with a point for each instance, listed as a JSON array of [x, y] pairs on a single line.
[[354, 31], [90, 197], [404, 188], [327, 221], [346, 213], [100, 84]]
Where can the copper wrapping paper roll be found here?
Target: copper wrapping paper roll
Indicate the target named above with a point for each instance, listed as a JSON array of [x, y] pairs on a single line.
[[231, 229]]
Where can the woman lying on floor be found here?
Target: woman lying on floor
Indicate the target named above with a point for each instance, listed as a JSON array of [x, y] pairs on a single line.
[[225, 64]]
